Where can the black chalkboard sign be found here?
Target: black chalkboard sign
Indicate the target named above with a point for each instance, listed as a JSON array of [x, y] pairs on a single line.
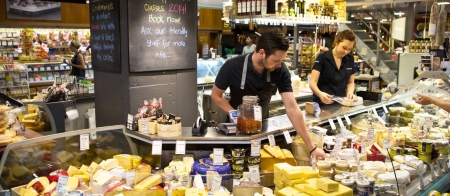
[[105, 35], [162, 34]]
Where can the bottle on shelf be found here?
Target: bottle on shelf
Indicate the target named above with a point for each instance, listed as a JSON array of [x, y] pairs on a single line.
[[271, 6], [291, 5]]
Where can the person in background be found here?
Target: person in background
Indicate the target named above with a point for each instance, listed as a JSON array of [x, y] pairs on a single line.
[[256, 74], [333, 70], [77, 62], [426, 100], [250, 47]]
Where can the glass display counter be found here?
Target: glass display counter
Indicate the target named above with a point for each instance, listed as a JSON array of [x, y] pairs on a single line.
[[207, 71]]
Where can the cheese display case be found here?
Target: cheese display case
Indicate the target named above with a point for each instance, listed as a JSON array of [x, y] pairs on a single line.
[[389, 162], [207, 71]]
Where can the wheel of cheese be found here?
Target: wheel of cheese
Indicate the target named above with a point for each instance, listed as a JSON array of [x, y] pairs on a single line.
[[342, 165], [332, 161], [201, 166], [323, 166]]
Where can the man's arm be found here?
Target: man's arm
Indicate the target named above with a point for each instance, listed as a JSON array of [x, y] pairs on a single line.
[[216, 96], [296, 117]]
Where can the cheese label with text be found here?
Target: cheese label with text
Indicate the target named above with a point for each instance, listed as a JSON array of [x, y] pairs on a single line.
[[257, 113], [217, 182], [61, 186], [271, 140], [218, 156], [144, 125], [84, 141], [180, 147], [255, 148], [156, 147], [287, 136]]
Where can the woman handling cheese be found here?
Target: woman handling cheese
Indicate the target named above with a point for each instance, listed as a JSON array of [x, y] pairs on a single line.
[[333, 70], [426, 100]]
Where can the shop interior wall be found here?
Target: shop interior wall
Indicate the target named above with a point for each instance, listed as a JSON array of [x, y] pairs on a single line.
[[72, 15]]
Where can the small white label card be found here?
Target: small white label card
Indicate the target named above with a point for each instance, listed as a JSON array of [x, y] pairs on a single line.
[[41, 68], [258, 113], [84, 141], [61, 186], [93, 135], [347, 119], [144, 126], [287, 136], [218, 156], [217, 182], [385, 143], [370, 134], [271, 140], [341, 124], [130, 175], [48, 68], [180, 147], [254, 173], [130, 121], [333, 126], [255, 148], [156, 147]]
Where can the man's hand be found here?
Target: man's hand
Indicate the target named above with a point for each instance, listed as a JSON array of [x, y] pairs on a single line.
[[325, 98]]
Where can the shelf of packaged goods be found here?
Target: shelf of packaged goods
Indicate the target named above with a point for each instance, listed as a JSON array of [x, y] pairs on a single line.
[[6, 87], [37, 83], [289, 21]]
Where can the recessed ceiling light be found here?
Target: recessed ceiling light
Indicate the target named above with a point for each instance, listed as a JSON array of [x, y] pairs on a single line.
[[443, 3], [368, 18], [399, 13]]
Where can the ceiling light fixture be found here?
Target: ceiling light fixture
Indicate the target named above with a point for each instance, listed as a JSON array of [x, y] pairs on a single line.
[[368, 18], [443, 3], [399, 13]]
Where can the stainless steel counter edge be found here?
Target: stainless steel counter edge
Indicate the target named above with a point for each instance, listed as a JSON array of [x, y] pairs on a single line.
[[271, 126]]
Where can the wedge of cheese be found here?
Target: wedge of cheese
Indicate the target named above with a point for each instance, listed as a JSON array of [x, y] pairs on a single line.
[[327, 185], [275, 151], [287, 191], [343, 191], [125, 160], [149, 183]]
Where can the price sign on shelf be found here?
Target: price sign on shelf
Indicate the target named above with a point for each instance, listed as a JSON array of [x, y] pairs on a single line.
[[288, 137], [61, 186], [157, 147], [144, 126], [347, 119], [333, 126], [255, 148], [130, 122], [180, 147], [341, 124], [130, 176], [363, 147], [217, 182], [48, 68], [370, 134], [42, 69], [254, 173], [271, 140], [84, 141], [218, 156], [385, 143]]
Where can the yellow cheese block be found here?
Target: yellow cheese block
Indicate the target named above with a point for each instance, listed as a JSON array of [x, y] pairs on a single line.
[[293, 182], [152, 192], [279, 183], [83, 168], [136, 160], [196, 192], [327, 185], [83, 178], [275, 151], [311, 181], [280, 166], [277, 176], [301, 194], [72, 170], [148, 183], [32, 116], [300, 188], [308, 173], [139, 177], [93, 168], [290, 173], [311, 189], [267, 164], [179, 191], [22, 191], [143, 168], [125, 160], [343, 191], [264, 154], [287, 154], [287, 191], [29, 123]]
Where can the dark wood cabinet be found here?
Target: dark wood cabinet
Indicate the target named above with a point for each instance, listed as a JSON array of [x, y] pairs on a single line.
[[210, 19]]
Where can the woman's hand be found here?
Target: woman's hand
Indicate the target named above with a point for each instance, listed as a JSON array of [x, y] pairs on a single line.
[[325, 98], [352, 96], [318, 153], [424, 100]]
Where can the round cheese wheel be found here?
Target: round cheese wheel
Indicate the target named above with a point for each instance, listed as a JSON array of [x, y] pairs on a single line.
[[342, 165], [326, 173], [323, 166], [201, 166]]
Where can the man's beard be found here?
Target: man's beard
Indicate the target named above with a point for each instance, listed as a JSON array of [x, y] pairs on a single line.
[[262, 63]]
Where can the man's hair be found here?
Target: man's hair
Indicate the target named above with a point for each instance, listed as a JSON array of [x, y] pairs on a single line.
[[272, 41]]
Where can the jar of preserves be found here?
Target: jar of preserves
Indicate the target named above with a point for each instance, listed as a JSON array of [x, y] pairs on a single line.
[[249, 119]]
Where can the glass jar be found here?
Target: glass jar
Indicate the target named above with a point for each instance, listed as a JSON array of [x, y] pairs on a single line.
[[250, 115]]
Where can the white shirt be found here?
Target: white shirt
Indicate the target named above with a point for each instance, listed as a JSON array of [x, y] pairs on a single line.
[[248, 49]]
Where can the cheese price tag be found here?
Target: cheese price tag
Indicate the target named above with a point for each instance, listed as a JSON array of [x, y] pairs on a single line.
[[363, 147], [255, 148], [84, 141], [271, 140], [333, 126], [341, 124], [370, 134], [157, 147], [288, 137], [236, 182], [144, 125], [218, 156], [130, 122], [385, 109], [254, 173], [347, 119], [389, 135], [130, 175], [61, 186], [217, 182], [257, 113], [385, 143], [180, 147]]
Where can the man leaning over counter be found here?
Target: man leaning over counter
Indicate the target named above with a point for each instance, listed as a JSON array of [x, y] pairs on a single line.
[[257, 74]]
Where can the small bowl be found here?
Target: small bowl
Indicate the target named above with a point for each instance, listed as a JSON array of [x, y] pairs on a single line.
[[238, 152]]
